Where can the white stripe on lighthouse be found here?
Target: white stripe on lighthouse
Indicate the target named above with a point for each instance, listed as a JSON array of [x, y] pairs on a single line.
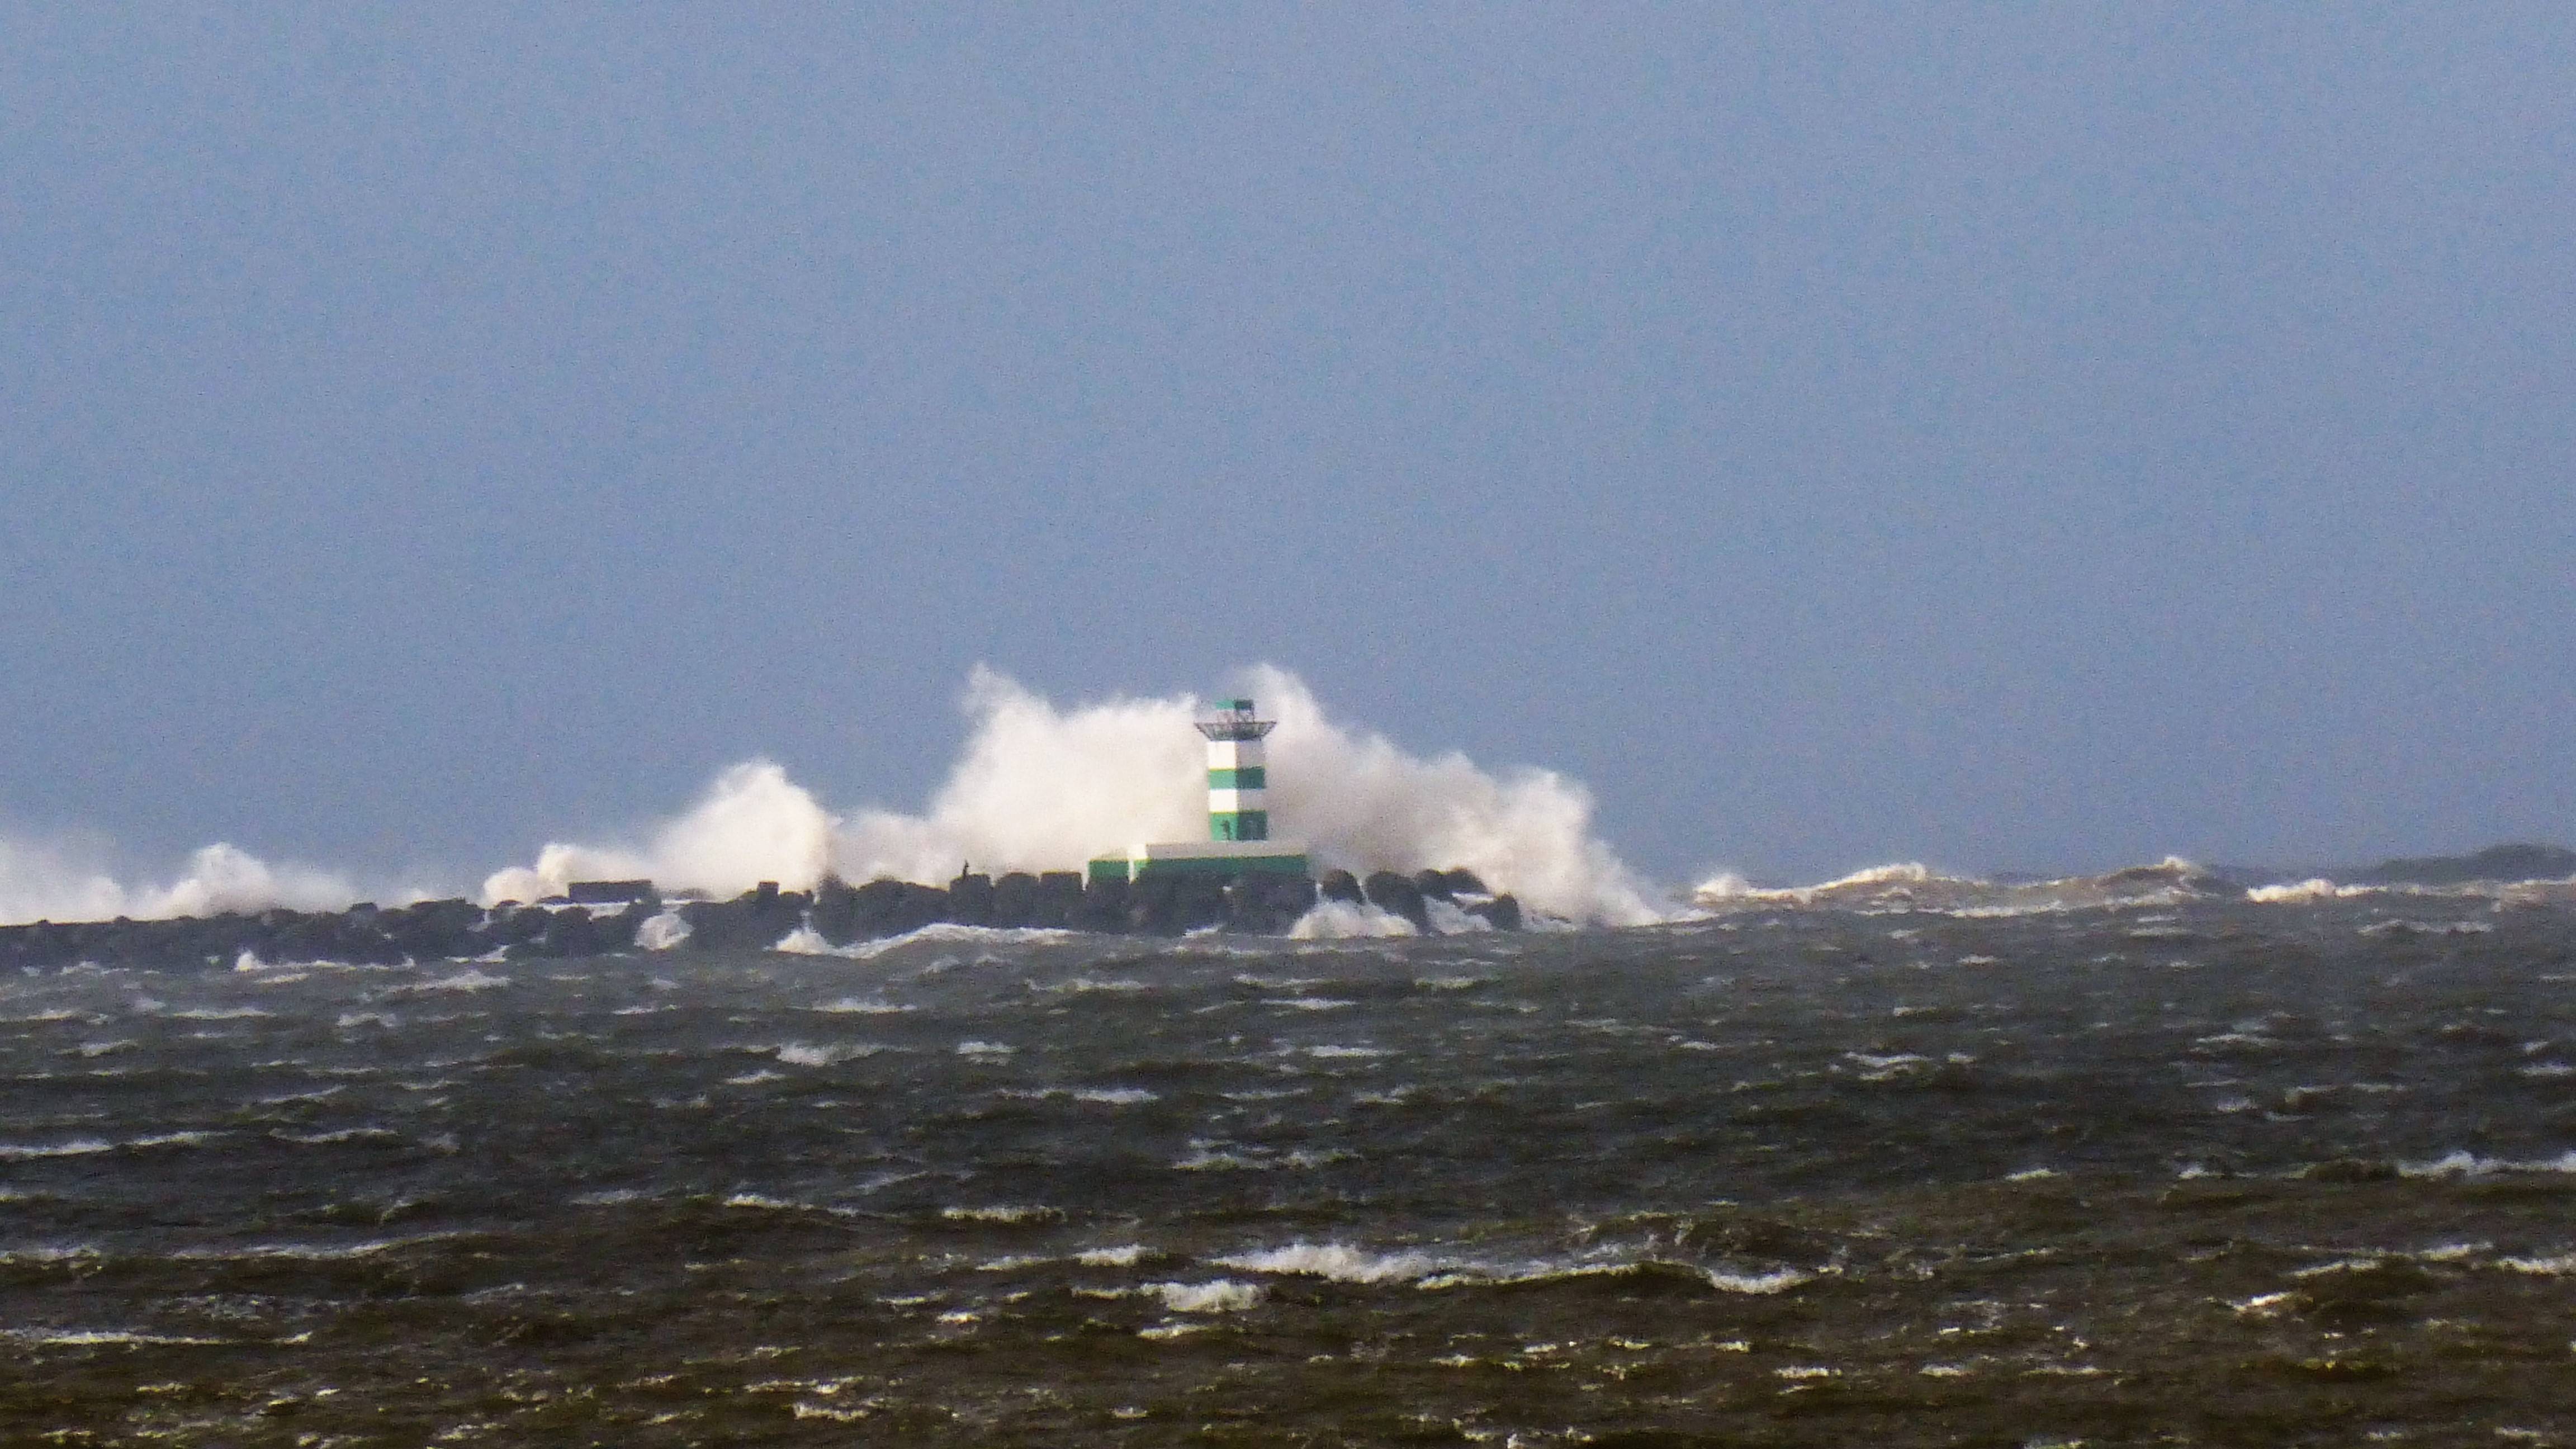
[[1234, 754]]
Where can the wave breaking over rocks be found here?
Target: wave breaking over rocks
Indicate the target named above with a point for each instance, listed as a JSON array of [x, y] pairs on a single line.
[[598, 918]]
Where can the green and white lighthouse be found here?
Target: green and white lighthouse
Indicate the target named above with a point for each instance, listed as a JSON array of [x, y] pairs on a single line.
[[1238, 789], [1238, 778]]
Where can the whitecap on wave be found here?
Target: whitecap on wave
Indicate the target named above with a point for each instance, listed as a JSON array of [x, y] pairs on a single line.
[[1105, 1096], [1336, 1261], [1003, 1214], [2303, 892], [78, 1147], [942, 933], [800, 1054], [1344, 920], [1225, 1295], [2469, 1164], [763, 1202], [861, 1006], [2429, 928], [1912, 886], [117, 1337], [1089, 985], [338, 1137], [92, 1146], [1229, 1157], [1342, 1263], [465, 981], [308, 1252]]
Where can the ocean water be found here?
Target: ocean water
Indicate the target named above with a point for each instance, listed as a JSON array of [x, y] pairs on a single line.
[[2208, 1172]]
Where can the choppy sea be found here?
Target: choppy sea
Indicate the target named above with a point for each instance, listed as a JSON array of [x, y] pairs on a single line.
[[2298, 1172]]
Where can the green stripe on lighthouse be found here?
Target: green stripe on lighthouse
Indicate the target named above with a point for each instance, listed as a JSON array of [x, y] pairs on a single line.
[[1242, 777], [1238, 825]]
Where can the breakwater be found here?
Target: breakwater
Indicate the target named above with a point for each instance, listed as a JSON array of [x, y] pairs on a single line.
[[598, 918]]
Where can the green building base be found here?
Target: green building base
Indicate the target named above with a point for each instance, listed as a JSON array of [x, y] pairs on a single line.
[[1132, 869]]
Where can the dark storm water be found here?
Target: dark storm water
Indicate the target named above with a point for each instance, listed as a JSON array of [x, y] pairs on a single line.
[[2234, 1174]]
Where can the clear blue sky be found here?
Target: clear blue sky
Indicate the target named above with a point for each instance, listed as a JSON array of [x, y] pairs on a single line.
[[2008, 436]]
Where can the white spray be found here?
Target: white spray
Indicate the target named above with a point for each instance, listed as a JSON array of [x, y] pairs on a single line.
[[753, 824], [1039, 787], [66, 880]]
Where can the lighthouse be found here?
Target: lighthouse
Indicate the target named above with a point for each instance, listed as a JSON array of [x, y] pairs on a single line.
[[1238, 777], [1238, 790]]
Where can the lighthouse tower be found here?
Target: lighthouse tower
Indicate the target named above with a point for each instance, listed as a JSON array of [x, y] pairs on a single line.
[[1238, 778], [1238, 786]]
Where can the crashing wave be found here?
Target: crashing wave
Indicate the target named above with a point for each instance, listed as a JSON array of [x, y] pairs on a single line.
[[1222, 1296], [1347, 920], [1041, 787], [2302, 892], [71, 881]]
